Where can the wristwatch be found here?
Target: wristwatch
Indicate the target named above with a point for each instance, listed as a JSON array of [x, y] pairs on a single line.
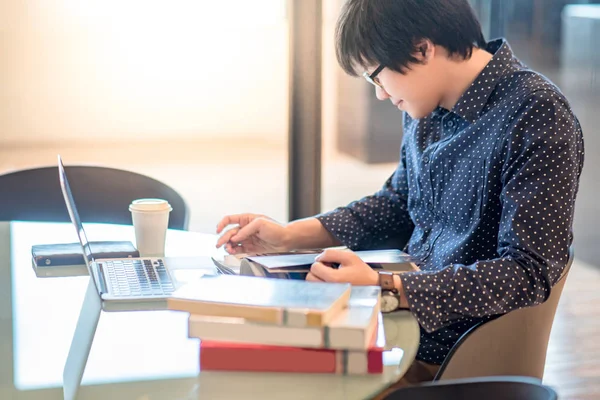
[[390, 299]]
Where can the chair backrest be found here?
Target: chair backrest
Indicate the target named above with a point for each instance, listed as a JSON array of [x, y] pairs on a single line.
[[512, 344], [490, 388], [102, 195]]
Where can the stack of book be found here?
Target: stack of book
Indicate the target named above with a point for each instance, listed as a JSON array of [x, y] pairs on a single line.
[[248, 323]]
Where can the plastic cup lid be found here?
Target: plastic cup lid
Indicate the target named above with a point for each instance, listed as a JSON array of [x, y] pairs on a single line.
[[150, 205]]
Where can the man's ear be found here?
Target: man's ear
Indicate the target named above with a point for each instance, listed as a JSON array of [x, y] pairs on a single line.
[[425, 51]]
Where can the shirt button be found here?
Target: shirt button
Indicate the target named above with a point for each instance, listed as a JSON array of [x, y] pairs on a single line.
[[426, 247], [450, 124], [430, 206], [426, 160]]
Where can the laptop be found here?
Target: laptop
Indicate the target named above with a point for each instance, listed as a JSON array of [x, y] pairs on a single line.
[[130, 284]]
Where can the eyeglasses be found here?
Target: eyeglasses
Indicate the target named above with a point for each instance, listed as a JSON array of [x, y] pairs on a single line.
[[372, 78]]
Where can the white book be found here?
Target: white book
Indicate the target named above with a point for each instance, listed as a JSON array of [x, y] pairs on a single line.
[[240, 330], [352, 329], [295, 303], [357, 361], [355, 326]]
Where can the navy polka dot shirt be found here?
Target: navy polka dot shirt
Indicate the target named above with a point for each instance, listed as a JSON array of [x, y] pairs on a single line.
[[483, 197]]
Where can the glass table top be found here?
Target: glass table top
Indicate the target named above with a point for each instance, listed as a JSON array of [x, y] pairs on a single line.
[[143, 354]]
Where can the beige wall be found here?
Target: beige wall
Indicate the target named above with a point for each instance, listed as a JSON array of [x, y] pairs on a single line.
[[131, 69]]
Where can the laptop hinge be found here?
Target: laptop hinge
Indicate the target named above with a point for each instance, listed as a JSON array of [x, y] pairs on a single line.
[[103, 289]]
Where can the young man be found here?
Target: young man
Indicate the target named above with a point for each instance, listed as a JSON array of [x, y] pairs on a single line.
[[485, 190]]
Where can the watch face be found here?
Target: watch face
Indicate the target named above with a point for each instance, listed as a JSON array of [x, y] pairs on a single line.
[[389, 303]]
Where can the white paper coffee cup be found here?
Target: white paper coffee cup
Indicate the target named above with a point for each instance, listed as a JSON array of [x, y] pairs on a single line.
[[150, 219]]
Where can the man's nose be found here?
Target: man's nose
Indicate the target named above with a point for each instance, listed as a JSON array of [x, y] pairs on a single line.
[[381, 93]]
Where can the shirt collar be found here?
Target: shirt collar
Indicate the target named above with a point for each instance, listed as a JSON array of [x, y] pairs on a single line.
[[471, 103]]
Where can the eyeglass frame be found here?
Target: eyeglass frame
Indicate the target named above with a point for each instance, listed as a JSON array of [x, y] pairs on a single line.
[[371, 77]]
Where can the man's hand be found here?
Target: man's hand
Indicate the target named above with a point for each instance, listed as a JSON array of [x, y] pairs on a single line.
[[253, 234], [351, 269]]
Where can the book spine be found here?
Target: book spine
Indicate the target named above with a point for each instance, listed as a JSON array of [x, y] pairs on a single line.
[[278, 335], [375, 361], [290, 360], [256, 314], [272, 360], [256, 333]]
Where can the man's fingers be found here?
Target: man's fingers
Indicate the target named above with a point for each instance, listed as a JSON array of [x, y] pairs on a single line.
[[231, 249], [313, 278], [226, 237], [324, 272], [240, 219], [248, 230], [227, 220], [336, 256]]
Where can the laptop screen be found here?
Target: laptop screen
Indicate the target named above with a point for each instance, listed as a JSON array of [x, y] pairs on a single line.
[[66, 189]]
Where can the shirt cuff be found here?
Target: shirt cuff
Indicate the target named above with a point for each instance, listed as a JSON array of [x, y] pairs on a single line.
[[428, 294]]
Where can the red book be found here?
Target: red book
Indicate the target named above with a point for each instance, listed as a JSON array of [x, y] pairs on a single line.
[[227, 356], [223, 356]]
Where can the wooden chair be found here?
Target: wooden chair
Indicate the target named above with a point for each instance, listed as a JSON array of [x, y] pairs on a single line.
[[492, 388], [102, 195], [513, 344]]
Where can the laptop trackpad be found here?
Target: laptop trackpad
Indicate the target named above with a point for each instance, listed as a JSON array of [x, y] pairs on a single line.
[[189, 269]]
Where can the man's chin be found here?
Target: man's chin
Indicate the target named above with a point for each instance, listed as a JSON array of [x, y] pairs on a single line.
[[417, 114]]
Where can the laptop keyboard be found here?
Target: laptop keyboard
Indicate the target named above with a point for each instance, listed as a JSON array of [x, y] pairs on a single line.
[[138, 277]]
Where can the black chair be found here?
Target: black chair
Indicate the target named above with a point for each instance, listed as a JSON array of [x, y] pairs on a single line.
[[102, 195], [491, 388]]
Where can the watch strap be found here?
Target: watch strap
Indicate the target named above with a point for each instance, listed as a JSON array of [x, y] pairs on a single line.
[[386, 281]]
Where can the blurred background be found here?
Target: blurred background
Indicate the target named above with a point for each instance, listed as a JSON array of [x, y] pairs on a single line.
[[197, 94]]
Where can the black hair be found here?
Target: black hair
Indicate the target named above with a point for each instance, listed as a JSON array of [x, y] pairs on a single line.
[[389, 32]]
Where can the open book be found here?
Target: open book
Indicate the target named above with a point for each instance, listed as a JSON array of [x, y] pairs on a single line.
[[302, 261], [288, 265]]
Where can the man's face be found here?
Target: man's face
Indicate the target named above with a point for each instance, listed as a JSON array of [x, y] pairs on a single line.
[[418, 91]]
